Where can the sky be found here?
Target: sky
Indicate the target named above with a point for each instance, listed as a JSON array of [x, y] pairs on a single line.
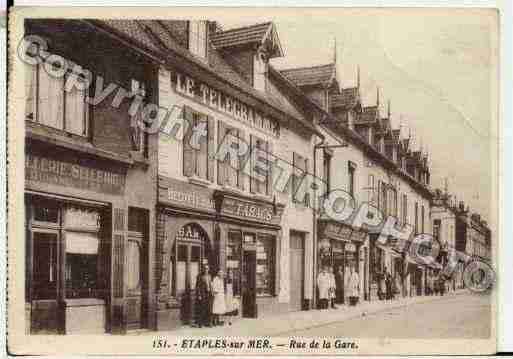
[[438, 68]]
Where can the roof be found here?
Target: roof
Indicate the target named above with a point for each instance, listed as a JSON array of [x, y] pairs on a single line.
[[322, 75], [153, 36], [254, 34], [346, 99]]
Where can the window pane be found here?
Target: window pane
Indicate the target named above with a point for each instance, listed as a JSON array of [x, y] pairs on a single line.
[[264, 266], [134, 264], [81, 264], [44, 272], [81, 275], [51, 99], [75, 112], [46, 213]]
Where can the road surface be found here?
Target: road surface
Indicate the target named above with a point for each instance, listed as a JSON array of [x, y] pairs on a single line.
[[459, 316]]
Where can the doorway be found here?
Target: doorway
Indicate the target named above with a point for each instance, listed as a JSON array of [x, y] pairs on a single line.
[[137, 276], [249, 305], [191, 253], [297, 270]]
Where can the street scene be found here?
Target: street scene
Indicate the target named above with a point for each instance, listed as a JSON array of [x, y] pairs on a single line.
[[456, 315], [194, 177]]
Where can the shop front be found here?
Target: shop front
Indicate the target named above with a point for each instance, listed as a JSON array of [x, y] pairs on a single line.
[[340, 248], [69, 203], [198, 227]]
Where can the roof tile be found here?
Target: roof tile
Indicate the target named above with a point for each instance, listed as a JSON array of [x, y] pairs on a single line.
[[314, 75]]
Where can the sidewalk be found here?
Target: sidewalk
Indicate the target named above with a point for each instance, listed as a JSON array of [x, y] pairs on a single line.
[[280, 324]]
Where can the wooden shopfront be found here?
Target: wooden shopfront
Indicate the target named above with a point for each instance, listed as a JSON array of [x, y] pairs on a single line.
[[198, 226], [249, 247], [69, 202]]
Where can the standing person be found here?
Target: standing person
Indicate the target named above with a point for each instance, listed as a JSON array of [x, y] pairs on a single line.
[[204, 298], [382, 287], [339, 283], [219, 304], [231, 302], [333, 288], [354, 286], [388, 285], [323, 285], [347, 276]]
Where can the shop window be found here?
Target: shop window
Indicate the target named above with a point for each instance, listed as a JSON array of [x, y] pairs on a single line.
[[48, 103], [233, 259], [265, 265], [81, 264], [44, 277]]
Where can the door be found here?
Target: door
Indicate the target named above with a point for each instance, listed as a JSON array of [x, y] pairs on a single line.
[[297, 271], [188, 266], [136, 281], [249, 306], [44, 309]]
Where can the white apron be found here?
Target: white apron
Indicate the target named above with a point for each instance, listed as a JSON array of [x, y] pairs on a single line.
[[219, 305]]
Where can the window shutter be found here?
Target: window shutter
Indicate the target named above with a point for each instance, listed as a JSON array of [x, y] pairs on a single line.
[[307, 192], [295, 159], [241, 161], [221, 132], [211, 150], [188, 151], [253, 181], [270, 168]]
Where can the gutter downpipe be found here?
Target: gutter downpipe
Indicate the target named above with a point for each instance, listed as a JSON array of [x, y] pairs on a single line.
[[314, 237]]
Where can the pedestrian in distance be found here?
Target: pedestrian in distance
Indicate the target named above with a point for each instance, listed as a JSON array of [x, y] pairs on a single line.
[[204, 298], [333, 288], [354, 287], [232, 304], [339, 284], [323, 286]]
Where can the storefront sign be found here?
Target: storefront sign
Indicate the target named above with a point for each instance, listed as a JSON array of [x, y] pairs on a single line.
[[350, 247], [82, 218], [63, 173], [181, 194], [246, 210], [190, 232], [337, 231], [222, 102], [358, 236]]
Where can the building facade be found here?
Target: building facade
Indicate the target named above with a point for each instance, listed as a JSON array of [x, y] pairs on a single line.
[[89, 185]]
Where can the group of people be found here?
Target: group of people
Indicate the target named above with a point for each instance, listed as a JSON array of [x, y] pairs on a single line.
[[338, 287], [215, 298]]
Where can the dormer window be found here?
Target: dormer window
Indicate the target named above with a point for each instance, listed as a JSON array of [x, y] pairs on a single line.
[[260, 71], [198, 38]]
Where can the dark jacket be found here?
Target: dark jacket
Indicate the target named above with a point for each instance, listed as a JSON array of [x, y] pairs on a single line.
[[203, 287]]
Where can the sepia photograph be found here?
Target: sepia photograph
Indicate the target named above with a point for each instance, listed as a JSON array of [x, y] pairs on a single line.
[[262, 181]]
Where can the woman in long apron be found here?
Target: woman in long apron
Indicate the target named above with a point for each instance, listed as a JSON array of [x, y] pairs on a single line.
[[218, 305], [232, 306]]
